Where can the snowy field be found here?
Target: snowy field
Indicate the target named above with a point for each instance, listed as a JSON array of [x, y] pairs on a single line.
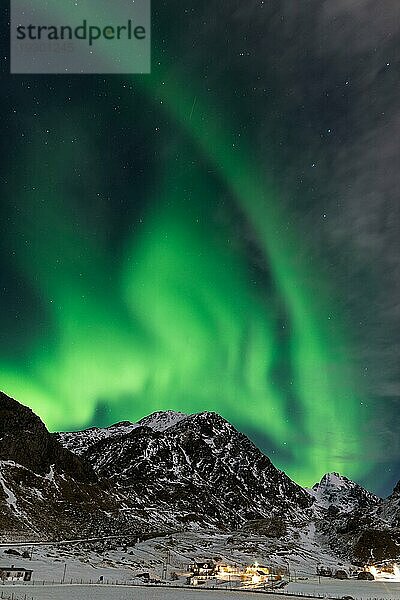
[[81, 564], [51, 564], [67, 592], [359, 590], [112, 562]]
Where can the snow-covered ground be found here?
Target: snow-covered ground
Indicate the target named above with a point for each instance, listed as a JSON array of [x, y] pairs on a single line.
[[333, 588], [362, 590], [105, 559], [166, 559], [51, 564], [119, 593]]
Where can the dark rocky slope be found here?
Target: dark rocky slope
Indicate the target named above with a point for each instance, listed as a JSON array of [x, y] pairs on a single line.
[[25, 440]]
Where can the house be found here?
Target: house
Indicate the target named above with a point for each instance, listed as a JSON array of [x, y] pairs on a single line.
[[341, 574], [15, 574], [203, 569], [256, 569], [324, 571]]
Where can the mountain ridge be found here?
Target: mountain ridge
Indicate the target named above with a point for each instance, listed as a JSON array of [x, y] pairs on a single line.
[[173, 470]]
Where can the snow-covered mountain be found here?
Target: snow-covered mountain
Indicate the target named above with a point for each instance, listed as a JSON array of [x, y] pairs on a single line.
[[172, 472], [389, 510], [196, 468], [354, 522], [342, 494], [168, 470]]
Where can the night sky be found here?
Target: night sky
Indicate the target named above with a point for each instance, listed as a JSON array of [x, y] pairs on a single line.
[[222, 234]]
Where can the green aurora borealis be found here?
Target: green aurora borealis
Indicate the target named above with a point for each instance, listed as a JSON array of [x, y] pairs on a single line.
[[179, 325], [188, 285]]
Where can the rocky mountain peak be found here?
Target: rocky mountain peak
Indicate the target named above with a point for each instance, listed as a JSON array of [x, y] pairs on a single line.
[[162, 420], [25, 440], [15, 417], [335, 490], [396, 491], [170, 460]]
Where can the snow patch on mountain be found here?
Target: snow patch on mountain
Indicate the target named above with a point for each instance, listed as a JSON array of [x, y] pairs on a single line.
[[162, 420], [10, 496]]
